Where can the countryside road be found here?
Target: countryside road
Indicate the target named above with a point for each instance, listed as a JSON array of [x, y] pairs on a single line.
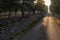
[[45, 30]]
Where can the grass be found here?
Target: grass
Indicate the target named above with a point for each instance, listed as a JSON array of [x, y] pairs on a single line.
[[58, 21], [2, 17], [19, 34], [34, 22]]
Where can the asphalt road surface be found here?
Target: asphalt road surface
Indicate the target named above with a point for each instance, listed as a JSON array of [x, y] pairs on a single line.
[[45, 30]]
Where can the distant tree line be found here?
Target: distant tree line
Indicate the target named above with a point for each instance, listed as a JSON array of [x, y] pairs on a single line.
[[22, 5]]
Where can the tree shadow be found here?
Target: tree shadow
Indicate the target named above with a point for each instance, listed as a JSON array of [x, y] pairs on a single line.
[[43, 35]]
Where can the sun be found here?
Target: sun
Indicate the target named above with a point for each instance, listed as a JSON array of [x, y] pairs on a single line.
[[47, 2]]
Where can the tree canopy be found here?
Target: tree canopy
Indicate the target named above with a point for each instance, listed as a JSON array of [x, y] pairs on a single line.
[[23, 5], [55, 6]]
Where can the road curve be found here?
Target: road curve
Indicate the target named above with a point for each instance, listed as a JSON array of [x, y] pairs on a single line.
[[47, 30]]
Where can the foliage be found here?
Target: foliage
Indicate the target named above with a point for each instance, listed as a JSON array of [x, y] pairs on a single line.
[[15, 5], [55, 6]]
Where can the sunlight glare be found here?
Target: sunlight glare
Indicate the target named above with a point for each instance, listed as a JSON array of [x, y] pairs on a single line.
[[35, 1], [48, 3]]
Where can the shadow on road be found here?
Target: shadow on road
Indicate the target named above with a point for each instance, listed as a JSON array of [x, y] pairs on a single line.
[[43, 35], [36, 33]]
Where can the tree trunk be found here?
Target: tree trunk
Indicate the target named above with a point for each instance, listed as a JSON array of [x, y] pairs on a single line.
[[33, 11], [22, 13], [22, 10], [9, 14]]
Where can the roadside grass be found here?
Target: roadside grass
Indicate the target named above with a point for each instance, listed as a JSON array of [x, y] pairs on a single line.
[[58, 21], [34, 22], [23, 31], [2, 17]]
